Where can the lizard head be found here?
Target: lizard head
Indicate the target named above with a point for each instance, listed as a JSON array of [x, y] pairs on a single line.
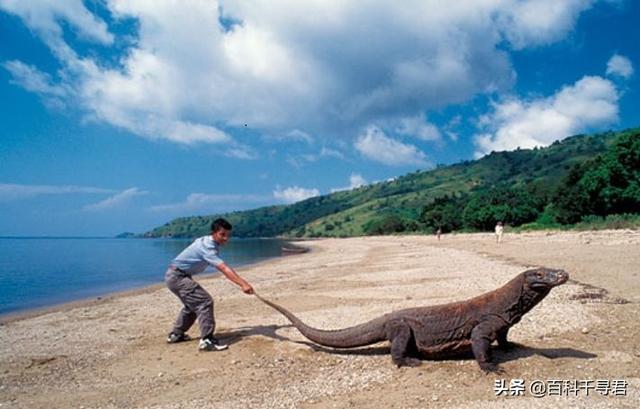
[[542, 278]]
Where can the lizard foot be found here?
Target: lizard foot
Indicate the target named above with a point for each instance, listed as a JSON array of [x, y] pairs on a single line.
[[489, 367], [411, 362]]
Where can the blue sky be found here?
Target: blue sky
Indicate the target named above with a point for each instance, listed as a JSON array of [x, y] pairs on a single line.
[[122, 115]]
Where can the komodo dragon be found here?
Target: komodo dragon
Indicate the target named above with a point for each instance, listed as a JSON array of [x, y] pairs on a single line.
[[441, 331]]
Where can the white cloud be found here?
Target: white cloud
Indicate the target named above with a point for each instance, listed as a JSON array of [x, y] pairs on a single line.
[[32, 79], [241, 152], [331, 153], [294, 194], [297, 134], [619, 65], [526, 23], [591, 101], [450, 129], [320, 68], [375, 145], [179, 131], [419, 127], [10, 191], [44, 17], [298, 161], [355, 181], [117, 200], [211, 202]]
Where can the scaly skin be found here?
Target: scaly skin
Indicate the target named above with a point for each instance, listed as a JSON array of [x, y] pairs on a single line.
[[439, 331]]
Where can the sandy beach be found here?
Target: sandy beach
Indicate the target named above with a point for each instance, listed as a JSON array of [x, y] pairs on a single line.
[[112, 353]]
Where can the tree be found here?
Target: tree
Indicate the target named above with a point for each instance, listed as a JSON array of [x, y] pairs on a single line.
[[607, 184], [443, 213], [511, 205], [384, 225]]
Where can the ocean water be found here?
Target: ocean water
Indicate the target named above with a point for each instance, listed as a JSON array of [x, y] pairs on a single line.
[[42, 272]]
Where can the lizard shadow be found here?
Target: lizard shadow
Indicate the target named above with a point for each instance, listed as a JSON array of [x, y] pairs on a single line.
[[500, 356], [520, 351], [370, 350]]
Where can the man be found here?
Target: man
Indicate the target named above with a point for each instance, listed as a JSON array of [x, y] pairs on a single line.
[[499, 231], [197, 303]]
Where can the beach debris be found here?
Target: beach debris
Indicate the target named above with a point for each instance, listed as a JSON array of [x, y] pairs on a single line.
[[43, 361], [292, 249]]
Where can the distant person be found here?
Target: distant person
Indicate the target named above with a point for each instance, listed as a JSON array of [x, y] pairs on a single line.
[[197, 303], [438, 233], [499, 231]]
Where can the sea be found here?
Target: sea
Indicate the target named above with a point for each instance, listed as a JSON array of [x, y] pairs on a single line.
[[37, 272]]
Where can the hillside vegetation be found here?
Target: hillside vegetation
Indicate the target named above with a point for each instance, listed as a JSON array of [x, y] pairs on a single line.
[[583, 177]]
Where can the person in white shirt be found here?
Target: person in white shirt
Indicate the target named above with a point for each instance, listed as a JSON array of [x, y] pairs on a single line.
[[499, 231], [197, 302]]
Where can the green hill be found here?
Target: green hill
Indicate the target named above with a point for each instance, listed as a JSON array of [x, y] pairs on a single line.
[[400, 205]]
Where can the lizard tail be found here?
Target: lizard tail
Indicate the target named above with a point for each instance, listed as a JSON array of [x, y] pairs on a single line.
[[357, 336]]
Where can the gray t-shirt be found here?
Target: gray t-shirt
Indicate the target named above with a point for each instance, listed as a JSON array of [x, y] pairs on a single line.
[[200, 254]]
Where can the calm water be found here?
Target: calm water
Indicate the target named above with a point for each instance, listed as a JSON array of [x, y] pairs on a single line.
[[39, 272]]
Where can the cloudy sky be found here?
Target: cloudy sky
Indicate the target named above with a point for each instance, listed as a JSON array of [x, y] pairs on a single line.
[[121, 115]]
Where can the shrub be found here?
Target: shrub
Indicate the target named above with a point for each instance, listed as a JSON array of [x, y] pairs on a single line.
[[384, 225]]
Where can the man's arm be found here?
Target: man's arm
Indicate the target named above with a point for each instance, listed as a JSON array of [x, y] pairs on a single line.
[[234, 277]]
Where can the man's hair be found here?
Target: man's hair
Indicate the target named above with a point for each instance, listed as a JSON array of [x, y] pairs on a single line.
[[220, 224]]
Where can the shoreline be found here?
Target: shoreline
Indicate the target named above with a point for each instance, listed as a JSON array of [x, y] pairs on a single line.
[[13, 316], [483, 237]]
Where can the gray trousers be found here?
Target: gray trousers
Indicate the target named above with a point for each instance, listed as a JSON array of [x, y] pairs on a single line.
[[197, 303]]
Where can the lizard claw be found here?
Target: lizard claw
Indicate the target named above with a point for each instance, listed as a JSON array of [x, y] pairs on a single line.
[[410, 362], [489, 367]]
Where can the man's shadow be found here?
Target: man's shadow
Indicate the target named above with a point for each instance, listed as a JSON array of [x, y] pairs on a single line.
[[237, 334]]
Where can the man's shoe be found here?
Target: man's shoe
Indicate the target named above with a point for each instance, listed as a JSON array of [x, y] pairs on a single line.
[[173, 338], [211, 344]]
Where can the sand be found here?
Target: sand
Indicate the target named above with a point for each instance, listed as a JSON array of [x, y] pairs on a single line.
[[112, 353]]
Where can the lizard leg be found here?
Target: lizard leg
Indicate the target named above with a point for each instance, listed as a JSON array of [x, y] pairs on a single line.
[[481, 337], [400, 336], [503, 343]]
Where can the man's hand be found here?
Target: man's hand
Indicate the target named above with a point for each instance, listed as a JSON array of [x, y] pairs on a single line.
[[233, 276], [246, 288]]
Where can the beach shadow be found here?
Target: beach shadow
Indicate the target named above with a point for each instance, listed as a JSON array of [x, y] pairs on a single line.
[[523, 351], [499, 356], [520, 351], [368, 351], [269, 331]]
